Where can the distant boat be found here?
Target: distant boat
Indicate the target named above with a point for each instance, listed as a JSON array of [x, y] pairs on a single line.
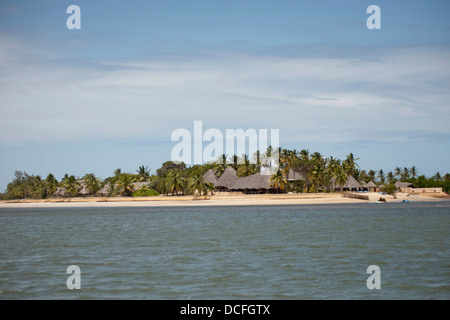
[[405, 200]]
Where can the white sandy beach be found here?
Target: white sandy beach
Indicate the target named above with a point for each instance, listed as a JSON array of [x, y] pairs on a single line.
[[228, 200]]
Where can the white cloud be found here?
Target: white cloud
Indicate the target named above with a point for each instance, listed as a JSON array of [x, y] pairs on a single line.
[[340, 99]]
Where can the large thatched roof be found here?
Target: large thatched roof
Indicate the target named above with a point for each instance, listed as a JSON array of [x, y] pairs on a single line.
[[256, 181], [60, 192], [210, 177], [105, 190], [351, 183], [399, 184], [138, 185], [370, 184], [231, 181], [227, 179], [84, 191]]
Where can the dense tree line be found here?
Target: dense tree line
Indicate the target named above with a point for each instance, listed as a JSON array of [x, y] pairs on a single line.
[[317, 171]]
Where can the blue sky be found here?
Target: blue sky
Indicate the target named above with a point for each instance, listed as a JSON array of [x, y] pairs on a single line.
[[109, 95]]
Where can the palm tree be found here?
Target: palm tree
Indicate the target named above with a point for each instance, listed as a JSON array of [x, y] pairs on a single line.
[[112, 187], [437, 176], [143, 173], [390, 177], [220, 165], [278, 180], [125, 184], [234, 159], [405, 173], [257, 159], [318, 170], [91, 183], [160, 183], [304, 165], [398, 172], [284, 158], [269, 151], [71, 185], [350, 165], [51, 184], [318, 176], [197, 182], [371, 175], [381, 176], [245, 168], [341, 176], [175, 182], [413, 170]]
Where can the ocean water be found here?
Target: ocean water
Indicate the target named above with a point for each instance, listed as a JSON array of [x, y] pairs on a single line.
[[244, 252]]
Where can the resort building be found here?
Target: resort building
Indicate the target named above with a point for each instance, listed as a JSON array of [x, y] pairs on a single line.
[[350, 185], [369, 186]]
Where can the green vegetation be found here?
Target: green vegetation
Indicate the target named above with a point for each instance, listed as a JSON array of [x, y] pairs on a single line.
[[317, 172], [390, 189], [145, 192]]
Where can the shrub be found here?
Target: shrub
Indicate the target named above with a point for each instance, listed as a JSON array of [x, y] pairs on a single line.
[[145, 193]]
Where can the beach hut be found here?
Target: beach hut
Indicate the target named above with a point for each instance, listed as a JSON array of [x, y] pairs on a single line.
[[210, 177], [255, 183], [84, 192], [403, 186], [350, 185], [139, 185], [105, 191], [371, 186], [227, 180], [60, 192]]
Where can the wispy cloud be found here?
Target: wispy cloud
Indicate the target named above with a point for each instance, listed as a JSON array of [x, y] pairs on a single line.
[[324, 99]]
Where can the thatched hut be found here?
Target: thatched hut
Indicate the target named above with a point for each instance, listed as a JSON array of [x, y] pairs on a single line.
[[369, 186], [227, 180], [350, 185], [60, 193], [403, 186], [105, 191], [139, 185], [210, 177], [84, 192], [256, 183]]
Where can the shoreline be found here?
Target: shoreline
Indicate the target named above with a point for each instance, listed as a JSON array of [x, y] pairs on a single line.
[[216, 200]]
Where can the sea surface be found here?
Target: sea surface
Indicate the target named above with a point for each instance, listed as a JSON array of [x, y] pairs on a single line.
[[243, 252]]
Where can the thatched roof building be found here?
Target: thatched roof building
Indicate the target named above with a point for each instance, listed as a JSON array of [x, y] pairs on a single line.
[[84, 191], [106, 190], [210, 177], [60, 192], [400, 184], [350, 185], [256, 183], [227, 180], [368, 186], [138, 185], [371, 184]]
